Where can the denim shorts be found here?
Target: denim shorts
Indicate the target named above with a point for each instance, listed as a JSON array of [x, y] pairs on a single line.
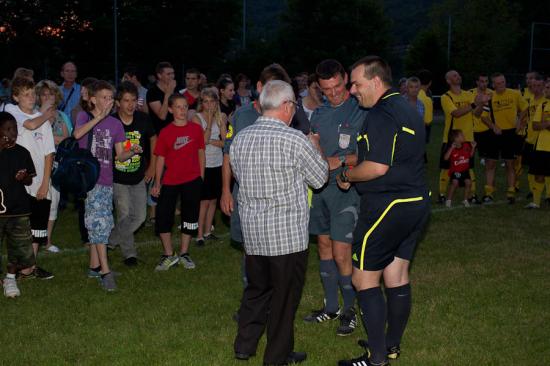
[[98, 216]]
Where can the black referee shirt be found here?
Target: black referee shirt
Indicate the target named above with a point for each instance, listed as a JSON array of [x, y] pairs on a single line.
[[393, 134]]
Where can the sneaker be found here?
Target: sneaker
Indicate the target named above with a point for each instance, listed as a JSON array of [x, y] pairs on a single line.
[[166, 261], [361, 361], [448, 203], [200, 242], [10, 288], [348, 322], [487, 200], [393, 352], [475, 200], [108, 282], [532, 205], [466, 203], [319, 316], [131, 261], [187, 262], [93, 273], [53, 249], [210, 237], [441, 199], [42, 273]]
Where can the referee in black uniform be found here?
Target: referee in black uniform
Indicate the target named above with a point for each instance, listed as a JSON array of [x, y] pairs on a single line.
[[390, 178]]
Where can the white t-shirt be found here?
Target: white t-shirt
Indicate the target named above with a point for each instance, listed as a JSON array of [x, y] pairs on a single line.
[[213, 154], [39, 142]]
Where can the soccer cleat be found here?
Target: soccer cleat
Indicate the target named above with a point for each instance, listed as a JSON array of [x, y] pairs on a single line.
[[187, 262], [466, 203], [108, 282], [361, 361], [166, 261], [475, 200], [487, 200], [348, 322], [532, 206], [448, 203], [42, 273], [319, 316], [10, 288], [442, 199], [393, 352]]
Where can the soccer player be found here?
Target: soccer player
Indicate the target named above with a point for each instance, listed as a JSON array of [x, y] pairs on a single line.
[[333, 211], [460, 107], [481, 131], [425, 77], [395, 207], [504, 108]]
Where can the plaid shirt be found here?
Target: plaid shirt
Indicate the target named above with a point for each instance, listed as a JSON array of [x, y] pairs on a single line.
[[273, 165]]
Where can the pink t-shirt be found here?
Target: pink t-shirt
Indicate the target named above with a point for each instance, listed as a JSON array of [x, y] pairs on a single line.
[[105, 135]]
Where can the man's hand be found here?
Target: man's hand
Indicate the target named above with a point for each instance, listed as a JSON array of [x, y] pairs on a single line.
[[136, 149], [21, 175], [314, 138], [226, 203], [105, 112], [497, 130], [342, 185], [474, 144], [169, 88], [155, 191], [149, 173], [42, 192], [50, 113]]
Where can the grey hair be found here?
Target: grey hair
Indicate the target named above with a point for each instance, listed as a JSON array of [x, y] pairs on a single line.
[[275, 93]]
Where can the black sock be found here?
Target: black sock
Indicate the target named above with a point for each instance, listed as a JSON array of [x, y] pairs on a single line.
[[399, 307], [104, 274], [96, 269], [373, 306]]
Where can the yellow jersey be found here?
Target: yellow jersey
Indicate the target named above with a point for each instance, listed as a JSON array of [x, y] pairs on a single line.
[[479, 126], [543, 114], [504, 108], [526, 94], [532, 106], [428, 107], [450, 102]]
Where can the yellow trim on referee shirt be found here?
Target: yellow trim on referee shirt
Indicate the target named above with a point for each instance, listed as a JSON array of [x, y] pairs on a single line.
[[393, 148], [393, 203], [390, 95], [408, 130], [366, 137]]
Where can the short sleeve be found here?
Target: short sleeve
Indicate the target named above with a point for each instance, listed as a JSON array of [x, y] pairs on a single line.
[[49, 145], [382, 134], [538, 113], [447, 104], [522, 103], [153, 96], [199, 136]]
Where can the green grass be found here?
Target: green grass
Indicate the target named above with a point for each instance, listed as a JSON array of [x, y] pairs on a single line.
[[480, 293]]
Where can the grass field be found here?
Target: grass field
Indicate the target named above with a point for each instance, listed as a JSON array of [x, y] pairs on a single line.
[[481, 296]]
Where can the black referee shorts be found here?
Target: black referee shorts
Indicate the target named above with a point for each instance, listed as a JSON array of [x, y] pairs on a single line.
[[389, 226]]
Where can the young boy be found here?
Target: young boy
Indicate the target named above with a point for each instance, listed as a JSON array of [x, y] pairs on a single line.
[[36, 136], [15, 209], [107, 135], [179, 149], [459, 155], [130, 176]]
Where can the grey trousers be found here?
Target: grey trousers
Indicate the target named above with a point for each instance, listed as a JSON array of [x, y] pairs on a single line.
[[131, 210]]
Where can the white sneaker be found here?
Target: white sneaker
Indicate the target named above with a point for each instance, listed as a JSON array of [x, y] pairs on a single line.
[[466, 203], [187, 262], [532, 205], [448, 203], [53, 249], [10, 288]]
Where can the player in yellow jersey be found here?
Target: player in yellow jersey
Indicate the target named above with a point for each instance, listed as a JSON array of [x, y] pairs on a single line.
[[527, 92], [505, 106], [425, 77], [459, 107], [526, 124], [540, 166]]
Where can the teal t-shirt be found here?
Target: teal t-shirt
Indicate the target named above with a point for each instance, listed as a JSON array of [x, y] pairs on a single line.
[[242, 118]]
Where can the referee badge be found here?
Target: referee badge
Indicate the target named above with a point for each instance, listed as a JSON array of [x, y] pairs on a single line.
[[343, 141]]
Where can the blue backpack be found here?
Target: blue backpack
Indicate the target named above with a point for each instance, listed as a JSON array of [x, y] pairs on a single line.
[[75, 170]]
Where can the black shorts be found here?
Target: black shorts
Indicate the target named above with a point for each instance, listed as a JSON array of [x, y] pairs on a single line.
[[527, 154], [540, 163], [190, 194], [40, 214], [481, 138], [461, 177], [388, 227], [212, 185], [504, 146]]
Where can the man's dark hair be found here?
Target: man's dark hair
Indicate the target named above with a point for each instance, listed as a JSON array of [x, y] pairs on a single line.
[[375, 66], [6, 117], [161, 66], [172, 99], [329, 68], [131, 71], [126, 87], [539, 77], [274, 72], [496, 75], [312, 78], [481, 74], [193, 71], [425, 76], [99, 86], [223, 83], [19, 85]]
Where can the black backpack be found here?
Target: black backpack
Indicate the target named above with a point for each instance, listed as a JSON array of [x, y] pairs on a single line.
[[75, 170]]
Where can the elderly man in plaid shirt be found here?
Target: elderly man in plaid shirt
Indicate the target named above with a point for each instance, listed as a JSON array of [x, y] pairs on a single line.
[[273, 165]]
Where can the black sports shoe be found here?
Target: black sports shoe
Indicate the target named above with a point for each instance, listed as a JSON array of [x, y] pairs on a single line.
[[319, 316], [131, 261], [441, 199], [200, 242], [393, 352], [42, 273], [348, 322], [475, 200], [487, 200], [361, 361]]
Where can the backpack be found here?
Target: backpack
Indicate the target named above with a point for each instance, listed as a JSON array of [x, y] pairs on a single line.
[[75, 170]]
